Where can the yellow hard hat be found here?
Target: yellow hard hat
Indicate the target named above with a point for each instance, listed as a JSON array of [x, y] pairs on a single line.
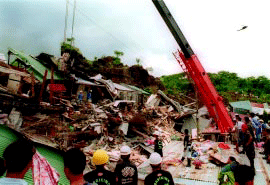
[[100, 157]]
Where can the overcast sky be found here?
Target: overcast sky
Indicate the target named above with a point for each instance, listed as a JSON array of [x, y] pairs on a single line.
[[136, 28]]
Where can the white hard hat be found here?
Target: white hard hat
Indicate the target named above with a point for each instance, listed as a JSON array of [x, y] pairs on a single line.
[[155, 158], [125, 150]]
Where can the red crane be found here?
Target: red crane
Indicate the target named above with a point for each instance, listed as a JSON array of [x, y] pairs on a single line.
[[194, 70]]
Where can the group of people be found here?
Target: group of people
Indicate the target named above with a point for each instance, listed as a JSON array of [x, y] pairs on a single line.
[[18, 156], [88, 96], [248, 131]]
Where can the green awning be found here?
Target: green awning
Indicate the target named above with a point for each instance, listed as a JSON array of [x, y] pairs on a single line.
[[241, 104], [241, 107], [7, 136], [33, 65]]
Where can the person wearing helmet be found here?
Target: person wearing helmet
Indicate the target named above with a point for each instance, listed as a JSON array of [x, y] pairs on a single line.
[[158, 176], [158, 143], [100, 176], [126, 171]]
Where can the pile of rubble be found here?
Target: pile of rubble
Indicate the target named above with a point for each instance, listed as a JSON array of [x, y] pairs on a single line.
[[109, 125], [112, 123], [106, 125]]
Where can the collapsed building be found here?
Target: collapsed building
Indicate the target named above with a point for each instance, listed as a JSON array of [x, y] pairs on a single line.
[[40, 101]]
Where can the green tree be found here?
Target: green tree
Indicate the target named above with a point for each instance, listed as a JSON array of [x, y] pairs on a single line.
[[117, 60], [138, 61], [118, 53]]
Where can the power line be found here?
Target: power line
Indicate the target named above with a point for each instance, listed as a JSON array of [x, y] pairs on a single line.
[[103, 29]]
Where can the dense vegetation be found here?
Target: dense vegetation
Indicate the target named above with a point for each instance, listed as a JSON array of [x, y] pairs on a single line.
[[229, 85]]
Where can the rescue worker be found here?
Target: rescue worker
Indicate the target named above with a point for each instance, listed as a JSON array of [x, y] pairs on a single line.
[[248, 126], [186, 139], [100, 175], [80, 97], [18, 158], [257, 126], [249, 146], [228, 171], [158, 143], [158, 176], [267, 147], [187, 154], [239, 130], [126, 172], [74, 164]]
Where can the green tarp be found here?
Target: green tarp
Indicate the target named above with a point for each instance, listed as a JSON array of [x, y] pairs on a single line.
[[7, 136]]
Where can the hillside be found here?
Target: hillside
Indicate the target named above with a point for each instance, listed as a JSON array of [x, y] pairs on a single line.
[[111, 67], [229, 85]]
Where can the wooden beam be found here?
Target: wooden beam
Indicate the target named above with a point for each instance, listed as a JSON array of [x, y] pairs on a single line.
[[51, 93], [42, 86], [33, 84]]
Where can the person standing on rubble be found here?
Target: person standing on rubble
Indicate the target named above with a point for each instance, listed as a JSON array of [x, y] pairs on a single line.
[[158, 176], [186, 139], [248, 126], [18, 158], [266, 147], [249, 146], [126, 172], [239, 130], [158, 143], [89, 96], [187, 154], [80, 97], [235, 135], [100, 176], [257, 126], [74, 164]]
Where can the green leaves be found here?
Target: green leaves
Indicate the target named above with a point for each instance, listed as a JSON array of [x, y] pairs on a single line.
[[229, 85]]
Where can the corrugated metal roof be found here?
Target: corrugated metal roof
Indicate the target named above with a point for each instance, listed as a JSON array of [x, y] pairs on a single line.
[[34, 65], [122, 88], [136, 89], [85, 82], [7, 136], [241, 105]]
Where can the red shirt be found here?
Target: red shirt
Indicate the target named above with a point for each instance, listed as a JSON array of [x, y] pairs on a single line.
[[244, 127]]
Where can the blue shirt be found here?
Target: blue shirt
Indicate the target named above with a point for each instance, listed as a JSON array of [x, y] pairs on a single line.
[[80, 96], [257, 125], [89, 96]]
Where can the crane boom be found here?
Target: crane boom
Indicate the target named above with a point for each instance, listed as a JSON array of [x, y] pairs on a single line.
[[194, 69]]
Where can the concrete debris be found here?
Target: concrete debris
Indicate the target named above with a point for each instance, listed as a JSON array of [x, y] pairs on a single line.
[[92, 119]]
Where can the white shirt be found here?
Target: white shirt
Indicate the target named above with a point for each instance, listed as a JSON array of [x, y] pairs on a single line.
[[12, 181], [239, 125]]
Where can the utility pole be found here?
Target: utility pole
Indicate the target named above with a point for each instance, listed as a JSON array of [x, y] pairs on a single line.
[[66, 20], [73, 20]]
